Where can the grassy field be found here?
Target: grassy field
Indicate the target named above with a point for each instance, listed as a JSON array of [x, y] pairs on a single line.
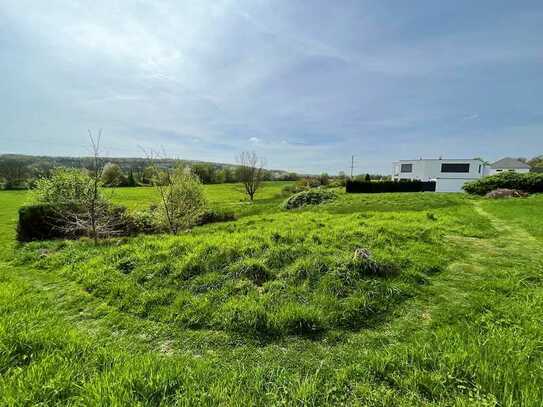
[[275, 309]]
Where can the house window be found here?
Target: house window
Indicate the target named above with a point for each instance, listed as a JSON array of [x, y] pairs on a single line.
[[450, 167], [406, 168], [479, 168]]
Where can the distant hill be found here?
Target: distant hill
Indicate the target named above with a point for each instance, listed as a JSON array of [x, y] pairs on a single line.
[[19, 169]]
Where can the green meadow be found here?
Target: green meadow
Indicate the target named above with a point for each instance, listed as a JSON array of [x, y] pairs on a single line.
[[279, 308]]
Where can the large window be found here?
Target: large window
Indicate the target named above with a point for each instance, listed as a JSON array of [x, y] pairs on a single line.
[[450, 167], [407, 168]]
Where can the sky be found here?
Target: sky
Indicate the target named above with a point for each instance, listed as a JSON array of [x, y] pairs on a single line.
[[304, 84]]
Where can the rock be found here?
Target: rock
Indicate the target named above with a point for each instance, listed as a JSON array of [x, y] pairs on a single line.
[[506, 193], [362, 254]]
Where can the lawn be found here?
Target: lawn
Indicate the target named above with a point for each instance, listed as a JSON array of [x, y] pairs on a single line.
[[276, 308]]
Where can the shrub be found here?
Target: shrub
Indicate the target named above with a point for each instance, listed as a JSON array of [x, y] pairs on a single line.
[[182, 200], [46, 221], [528, 182], [140, 221], [112, 176], [40, 222], [311, 197], [66, 185], [506, 193], [389, 186]]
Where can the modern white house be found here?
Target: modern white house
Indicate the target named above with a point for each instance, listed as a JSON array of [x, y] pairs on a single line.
[[449, 174], [508, 164]]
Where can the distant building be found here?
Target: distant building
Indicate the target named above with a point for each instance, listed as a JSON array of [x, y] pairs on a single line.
[[508, 164], [449, 174]]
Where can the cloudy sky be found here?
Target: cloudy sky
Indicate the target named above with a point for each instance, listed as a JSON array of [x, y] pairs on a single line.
[[304, 83]]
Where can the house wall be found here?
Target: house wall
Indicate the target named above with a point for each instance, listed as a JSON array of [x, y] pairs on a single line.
[[431, 169], [426, 170], [493, 171], [450, 184]]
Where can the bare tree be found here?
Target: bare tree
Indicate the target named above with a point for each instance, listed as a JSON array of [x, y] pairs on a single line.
[[250, 172], [92, 214]]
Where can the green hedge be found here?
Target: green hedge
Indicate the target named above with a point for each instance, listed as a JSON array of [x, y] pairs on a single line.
[[368, 187], [46, 222], [528, 182], [41, 222]]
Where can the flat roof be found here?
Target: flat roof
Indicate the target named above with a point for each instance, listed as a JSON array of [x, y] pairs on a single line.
[[441, 159]]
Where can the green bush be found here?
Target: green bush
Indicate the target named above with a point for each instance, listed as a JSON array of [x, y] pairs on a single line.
[[46, 222], [63, 187], [41, 222], [310, 197], [528, 182]]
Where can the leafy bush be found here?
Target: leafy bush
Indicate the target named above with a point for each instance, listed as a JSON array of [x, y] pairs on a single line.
[[40, 222], [65, 186], [389, 186], [182, 200], [46, 222], [311, 197], [112, 176], [528, 182]]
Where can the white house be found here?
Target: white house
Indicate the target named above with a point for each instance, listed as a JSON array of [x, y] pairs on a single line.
[[450, 174], [508, 164]]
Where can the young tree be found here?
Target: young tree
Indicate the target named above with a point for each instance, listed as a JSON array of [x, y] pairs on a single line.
[[250, 172], [182, 200], [368, 178], [78, 199]]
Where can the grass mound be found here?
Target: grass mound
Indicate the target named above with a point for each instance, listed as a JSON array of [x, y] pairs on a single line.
[[309, 197], [294, 274]]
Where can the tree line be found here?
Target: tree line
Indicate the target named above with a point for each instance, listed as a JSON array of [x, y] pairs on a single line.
[[22, 172]]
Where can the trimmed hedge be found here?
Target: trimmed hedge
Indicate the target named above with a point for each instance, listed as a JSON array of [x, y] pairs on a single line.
[[354, 187], [45, 222], [40, 222], [528, 182]]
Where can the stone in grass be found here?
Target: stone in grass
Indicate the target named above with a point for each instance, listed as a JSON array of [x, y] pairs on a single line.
[[506, 193]]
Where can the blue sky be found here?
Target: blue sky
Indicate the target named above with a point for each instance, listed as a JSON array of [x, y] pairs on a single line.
[[305, 84]]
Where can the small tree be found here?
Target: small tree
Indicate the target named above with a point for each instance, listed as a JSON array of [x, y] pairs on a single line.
[[182, 200], [250, 172], [368, 178], [78, 199]]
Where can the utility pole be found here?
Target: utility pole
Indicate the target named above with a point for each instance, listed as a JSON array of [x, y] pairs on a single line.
[[352, 166]]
